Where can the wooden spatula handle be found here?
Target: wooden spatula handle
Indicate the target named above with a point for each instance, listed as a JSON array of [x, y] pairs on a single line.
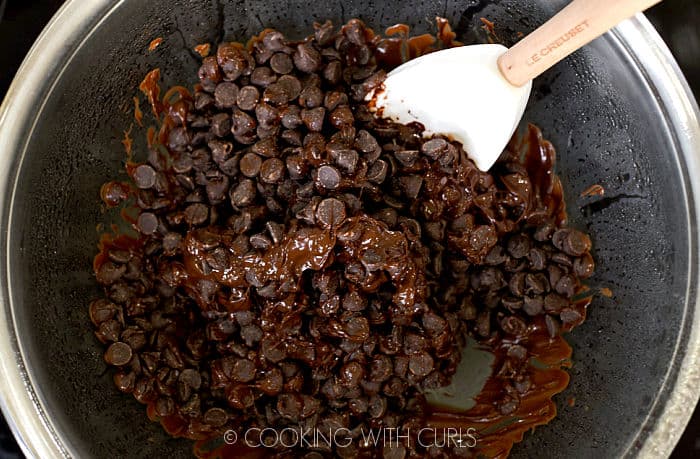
[[573, 27]]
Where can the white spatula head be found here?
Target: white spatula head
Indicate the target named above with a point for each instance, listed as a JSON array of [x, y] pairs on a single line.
[[460, 93]]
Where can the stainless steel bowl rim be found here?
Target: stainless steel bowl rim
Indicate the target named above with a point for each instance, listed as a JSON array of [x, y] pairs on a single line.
[[76, 20]]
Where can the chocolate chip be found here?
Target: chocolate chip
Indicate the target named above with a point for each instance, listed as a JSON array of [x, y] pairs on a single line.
[[313, 118], [272, 170], [243, 371], [411, 185], [118, 354], [260, 241], [352, 373], [517, 351], [291, 86], [263, 77], [250, 165], [281, 63], [243, 194], [378, 171], [292, 137], [215, 417], [575, 243], [165, 406], [251, 334], [273, 350], [266, 114], [538, 259], [377, 406], [330, 213], [274, 40], [135, 338], [508, 406], [266, 148], [544, 232], [275, 94], [513, 325], [275, 230], [171, 241], [566, 286], [220, 151], [420, 364], [125, 382], [233, 60], [553, 303], [434, 148], [324, 33], [216, 189], [366, 142], [340, 117], [226, 94], [347, 159], [519, 246], [307, 58], [328, 177], [553, 325], [536, 283], [406, 157], [271, 382], [144, 176], [562, 259], [358, 406], [291, 117], [584, 266], [119, 256], [209, 73], [495, 256], [147, 223], [247, 98], [533, 305], [334, 99], [311, 97], [221, 124], [240, 396], [196, 214], [191, 378], [333, 72], [102, 310], [203, 101], [381, 368], [357, 329], [516, 284]]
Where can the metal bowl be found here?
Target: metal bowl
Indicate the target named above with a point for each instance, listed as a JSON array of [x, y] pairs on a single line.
[[619, 112]]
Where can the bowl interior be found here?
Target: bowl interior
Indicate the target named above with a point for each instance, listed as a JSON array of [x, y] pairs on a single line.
[[596, 108]]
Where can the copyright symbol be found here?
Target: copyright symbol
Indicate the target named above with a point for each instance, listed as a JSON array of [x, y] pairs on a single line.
[[230, 437]]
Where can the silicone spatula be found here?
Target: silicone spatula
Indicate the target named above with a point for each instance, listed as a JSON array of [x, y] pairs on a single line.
[[477, 94]]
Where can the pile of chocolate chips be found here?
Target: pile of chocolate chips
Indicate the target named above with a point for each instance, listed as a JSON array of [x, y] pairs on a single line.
[[304, 263]]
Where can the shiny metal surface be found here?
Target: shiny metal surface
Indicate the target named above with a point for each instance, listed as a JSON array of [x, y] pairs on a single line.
[[664, 425], [26, 396], [23, 410]]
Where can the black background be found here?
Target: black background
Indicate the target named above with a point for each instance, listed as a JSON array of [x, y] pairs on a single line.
[[678, 21]]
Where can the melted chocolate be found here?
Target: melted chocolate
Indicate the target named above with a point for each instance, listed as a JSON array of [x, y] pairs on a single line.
[[536, 191]]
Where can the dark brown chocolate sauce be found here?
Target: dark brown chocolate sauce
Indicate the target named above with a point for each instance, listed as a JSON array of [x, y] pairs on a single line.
[[150, 88], [155, 44], [203, 50], [302, 249], [128, 142], [593, 190], [138, 114], [398, 46], [114, 193]]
